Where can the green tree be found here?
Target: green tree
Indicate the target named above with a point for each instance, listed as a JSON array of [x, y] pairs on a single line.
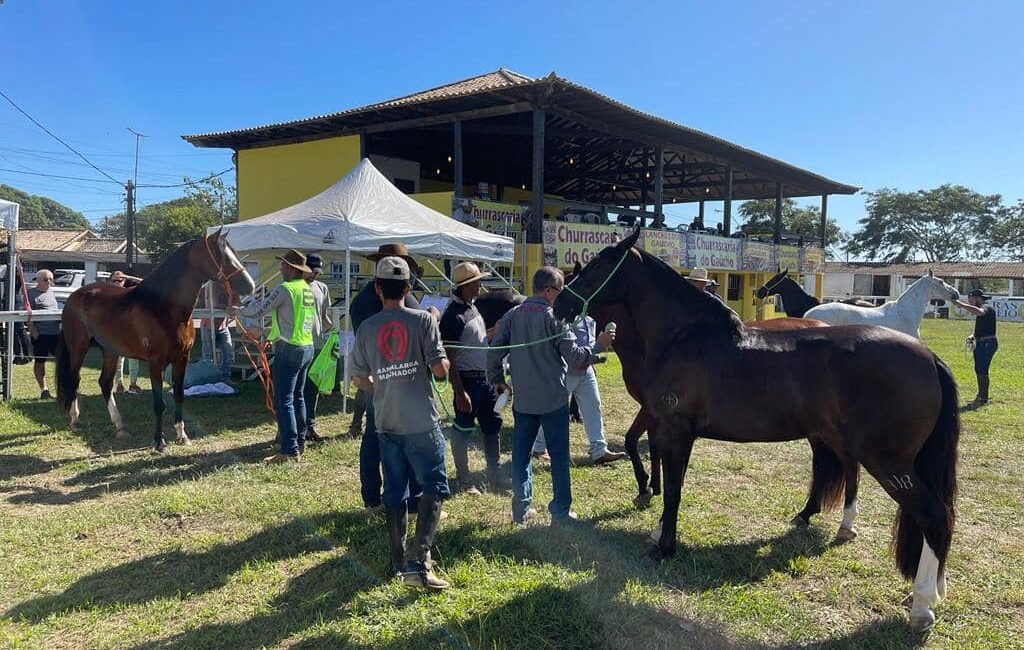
[[947, 223], [42, 212], [1007, 235], [759, 218]]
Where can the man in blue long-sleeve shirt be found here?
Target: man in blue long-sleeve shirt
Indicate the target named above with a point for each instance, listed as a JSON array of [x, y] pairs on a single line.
[[540, 399]]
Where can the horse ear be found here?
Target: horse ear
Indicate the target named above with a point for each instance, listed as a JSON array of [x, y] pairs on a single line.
[[931, 274], [630, 242], [786, 272], [577, 268]]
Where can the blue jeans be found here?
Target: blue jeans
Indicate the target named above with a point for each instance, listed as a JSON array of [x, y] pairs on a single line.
[[983, 352], [370, 483], [288, 371], [418, 456], [588, 396], [227, 351], [556, 428]]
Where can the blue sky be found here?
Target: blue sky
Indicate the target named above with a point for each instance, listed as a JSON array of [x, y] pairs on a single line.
[[898, 94]]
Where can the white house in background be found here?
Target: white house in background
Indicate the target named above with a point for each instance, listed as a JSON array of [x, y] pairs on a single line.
[[80, 249], [874, 281]]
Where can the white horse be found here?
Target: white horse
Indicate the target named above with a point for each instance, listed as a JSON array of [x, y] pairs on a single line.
[[903, 314]]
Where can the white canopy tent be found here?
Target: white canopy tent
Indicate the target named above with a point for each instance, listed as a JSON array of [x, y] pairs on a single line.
[[358, 214], [9, 220]]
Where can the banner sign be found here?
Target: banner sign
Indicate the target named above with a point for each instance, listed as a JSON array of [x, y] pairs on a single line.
[[667, 245], [787, 257], [1007, 309], [711, 252], [566, 243], [758, 256], [814, 260], [497, 218]]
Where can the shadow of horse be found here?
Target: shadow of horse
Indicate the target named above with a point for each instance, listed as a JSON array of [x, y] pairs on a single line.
[[133, 474]]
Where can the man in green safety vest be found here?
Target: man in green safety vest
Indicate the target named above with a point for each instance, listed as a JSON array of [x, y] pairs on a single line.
[[293, 314]]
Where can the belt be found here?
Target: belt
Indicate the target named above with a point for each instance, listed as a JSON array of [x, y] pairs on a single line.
[[991, 337], [473, 374]]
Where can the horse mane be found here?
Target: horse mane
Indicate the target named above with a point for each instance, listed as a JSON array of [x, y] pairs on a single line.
[[670, 282], [165, 280]]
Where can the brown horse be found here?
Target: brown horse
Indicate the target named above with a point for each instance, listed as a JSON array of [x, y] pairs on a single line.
[[151, 322], [706, 375]]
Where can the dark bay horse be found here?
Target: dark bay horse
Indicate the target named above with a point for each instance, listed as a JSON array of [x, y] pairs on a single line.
[[706, 375], [795, 300], [151, 322]]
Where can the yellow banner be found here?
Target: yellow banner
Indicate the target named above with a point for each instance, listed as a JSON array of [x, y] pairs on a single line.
[[498, 218], [566, 243], [788, 257], [814, 260]]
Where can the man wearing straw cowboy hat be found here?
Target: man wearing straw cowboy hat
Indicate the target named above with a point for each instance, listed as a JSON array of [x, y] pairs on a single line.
[[474, 396], [366, 304], [293, 313], [698, 277]]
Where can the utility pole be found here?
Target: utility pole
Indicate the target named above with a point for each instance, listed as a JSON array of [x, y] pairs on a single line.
[[130, 234], [129, 213]]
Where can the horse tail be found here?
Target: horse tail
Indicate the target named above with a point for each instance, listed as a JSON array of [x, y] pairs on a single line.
[[67, 377], [828, 476], [935, 465]]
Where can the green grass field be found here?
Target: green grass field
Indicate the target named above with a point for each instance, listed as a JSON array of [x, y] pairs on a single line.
[[105, 545]]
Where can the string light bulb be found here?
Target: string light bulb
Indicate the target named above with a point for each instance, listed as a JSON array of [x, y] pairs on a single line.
[[614, 187], [438, 171], [449, 158]]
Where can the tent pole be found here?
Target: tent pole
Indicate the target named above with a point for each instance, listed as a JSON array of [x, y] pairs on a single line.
[[12, 269], [499, 275], [439, 272], [348, 321]]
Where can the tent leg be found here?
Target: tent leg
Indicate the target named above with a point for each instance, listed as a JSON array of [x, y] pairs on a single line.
[[348, 323], [498, 275], [440, 272]]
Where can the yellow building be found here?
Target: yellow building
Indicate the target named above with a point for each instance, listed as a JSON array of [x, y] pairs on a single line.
[[547, 161]]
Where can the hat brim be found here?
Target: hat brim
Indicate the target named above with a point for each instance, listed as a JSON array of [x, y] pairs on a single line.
[[479, 276], [410, 260], [297, 267], [693, 278]]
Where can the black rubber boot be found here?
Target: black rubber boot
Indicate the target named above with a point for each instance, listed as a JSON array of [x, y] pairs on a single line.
[[397, 523], [496, 480], [460, 456], [418, 569], [982, 389]]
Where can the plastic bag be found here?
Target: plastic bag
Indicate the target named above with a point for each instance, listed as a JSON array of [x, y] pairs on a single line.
[[325, 366]]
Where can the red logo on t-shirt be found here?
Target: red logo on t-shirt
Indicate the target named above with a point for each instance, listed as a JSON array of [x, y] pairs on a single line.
[[393, 341]]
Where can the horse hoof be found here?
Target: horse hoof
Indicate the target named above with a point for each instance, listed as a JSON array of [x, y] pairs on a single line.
[[643, 500], [656, 535], [799, 521], [160, 448], [846, 535], [658, 555], [185, 442], [922, 620]]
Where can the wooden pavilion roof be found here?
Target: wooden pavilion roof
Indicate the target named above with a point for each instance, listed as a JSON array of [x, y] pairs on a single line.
[[597, 149]]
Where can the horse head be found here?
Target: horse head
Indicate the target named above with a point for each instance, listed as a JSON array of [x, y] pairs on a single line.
[[600, 281], [940, 289], [221, 264], [771, 287]]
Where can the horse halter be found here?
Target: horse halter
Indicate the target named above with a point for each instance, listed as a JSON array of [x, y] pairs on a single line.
[[222, 277], [586, 301], [768, 289]]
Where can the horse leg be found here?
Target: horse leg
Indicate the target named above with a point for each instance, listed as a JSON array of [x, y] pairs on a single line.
[[848, 529], [677, 458], [827, 479], [636, 429], [107, 388], [923, 525], [178, 382], [156, 378], [72, 346]]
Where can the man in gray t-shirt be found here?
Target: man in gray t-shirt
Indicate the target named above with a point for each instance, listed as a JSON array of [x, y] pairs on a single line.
[[395, 354]]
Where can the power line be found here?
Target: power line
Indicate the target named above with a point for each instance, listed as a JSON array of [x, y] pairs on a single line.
[[69, 178], [190, 183], [54, 136]]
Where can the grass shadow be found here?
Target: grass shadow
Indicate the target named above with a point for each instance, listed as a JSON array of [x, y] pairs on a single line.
[[134, 474]]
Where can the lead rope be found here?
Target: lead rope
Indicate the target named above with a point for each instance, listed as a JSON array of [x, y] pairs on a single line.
[[261, 363], [583, 314]]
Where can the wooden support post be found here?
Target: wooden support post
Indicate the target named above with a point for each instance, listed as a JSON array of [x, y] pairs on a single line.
[[457, 158], [777, 223], [659, 186], [643, 182], [824, 220], [535, 227], [700, 212], [727, 204], [362, 144]]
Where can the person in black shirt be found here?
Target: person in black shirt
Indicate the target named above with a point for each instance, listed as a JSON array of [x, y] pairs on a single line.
[[984, 338]]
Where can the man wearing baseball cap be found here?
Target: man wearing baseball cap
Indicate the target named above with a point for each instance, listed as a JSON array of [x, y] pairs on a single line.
[[984, 338], [474, 396], [293, 315], [396, 355]]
